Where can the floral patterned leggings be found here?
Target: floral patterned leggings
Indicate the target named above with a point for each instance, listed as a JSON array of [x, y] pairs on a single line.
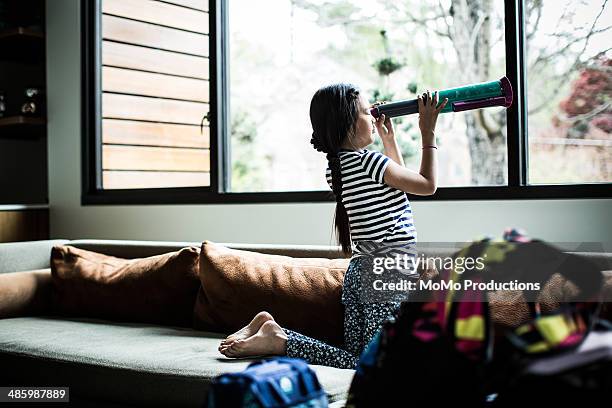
[[361, 322]]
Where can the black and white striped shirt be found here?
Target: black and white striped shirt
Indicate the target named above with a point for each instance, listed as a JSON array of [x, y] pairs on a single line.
[[379, 215]]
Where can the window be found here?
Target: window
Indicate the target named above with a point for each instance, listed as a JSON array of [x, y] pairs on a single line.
[[569, 91], [392, 50], [155, 91], [154, 71]]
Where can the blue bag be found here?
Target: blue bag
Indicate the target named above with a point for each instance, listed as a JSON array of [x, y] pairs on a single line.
[[278, 382]]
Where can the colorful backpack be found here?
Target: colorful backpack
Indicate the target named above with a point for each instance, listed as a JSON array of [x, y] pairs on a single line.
[[441, 349], [277, 382]]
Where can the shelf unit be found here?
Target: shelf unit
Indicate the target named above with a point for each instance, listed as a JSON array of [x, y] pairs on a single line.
[[23, 138]]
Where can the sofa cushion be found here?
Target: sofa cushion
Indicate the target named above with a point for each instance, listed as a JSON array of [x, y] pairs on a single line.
[[26, 256], [158, 289], [25, 293], [302, 294], [128, 363], [509, 308], [139, 249]]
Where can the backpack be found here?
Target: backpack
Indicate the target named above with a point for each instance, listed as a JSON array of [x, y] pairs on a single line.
[[441, 350], [277, 382]]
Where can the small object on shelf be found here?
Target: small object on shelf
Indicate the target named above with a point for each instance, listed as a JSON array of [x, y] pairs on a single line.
[[33, 102]]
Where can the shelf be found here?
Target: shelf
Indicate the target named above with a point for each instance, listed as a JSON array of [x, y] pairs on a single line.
[[20, 32], [22, 44], [23, 207], [10, 121], [20, 125]]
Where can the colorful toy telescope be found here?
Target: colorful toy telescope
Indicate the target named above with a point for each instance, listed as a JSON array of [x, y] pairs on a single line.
[[463, 98]]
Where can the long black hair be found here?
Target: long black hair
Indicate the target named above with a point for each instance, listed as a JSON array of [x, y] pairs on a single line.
[[334, 110]]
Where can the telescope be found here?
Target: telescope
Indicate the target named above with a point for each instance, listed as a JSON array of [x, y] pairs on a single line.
[[463, 98]]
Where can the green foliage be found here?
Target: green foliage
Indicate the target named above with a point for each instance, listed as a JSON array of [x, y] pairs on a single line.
[[412, 87], [246, 164], [387, 65], [244, 130], [405, 136], [407, 143], [379, 95]]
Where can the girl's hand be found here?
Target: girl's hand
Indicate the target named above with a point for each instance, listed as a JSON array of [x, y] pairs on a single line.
[[384, 127], [428, 113]]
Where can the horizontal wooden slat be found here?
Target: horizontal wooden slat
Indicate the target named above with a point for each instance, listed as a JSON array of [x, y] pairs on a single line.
[[153, 179], [152, 109], [196, 4], [154, 134], [160, 85], [154, 158], [158, 13], [150, 35], [148, 59]]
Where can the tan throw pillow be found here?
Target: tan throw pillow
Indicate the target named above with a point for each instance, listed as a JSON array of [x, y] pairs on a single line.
[[158, 289], [303, 294]]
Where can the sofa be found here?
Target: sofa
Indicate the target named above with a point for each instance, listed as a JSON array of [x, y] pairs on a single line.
[[108, 363], [111, 363]]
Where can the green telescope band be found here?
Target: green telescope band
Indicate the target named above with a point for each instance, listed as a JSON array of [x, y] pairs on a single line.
[[463, 98]]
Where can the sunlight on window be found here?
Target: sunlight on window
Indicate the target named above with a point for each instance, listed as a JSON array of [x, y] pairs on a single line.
[[569, 91], [281, 54]]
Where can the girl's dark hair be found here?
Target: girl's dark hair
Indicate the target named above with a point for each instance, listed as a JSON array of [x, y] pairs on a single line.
[[334, 110]]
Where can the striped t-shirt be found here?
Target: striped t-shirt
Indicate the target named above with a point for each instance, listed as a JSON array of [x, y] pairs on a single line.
[[379, 215]]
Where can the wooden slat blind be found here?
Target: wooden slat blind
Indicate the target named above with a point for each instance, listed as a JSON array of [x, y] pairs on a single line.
[[155, 84], [158, 13], [196, 4], [149, 84], [152, 60]]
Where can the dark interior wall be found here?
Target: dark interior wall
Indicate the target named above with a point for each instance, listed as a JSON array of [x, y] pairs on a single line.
[[23, 148], [23, 170]]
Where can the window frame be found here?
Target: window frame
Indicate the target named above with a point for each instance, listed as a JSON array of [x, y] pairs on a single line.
[[220, 162]]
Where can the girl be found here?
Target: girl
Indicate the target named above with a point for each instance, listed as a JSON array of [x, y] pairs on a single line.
[[372, 212]]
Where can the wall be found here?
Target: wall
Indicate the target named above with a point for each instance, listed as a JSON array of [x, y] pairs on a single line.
[[555, 220], [23, 149]]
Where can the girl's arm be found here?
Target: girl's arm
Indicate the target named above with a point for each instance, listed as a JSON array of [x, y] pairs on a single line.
[[385, 130], [425, 181]]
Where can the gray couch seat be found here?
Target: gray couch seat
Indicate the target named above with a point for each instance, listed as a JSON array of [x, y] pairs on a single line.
[[126, 363]]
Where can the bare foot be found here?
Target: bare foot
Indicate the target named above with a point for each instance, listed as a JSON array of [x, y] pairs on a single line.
[[270, 339], [247, 331]]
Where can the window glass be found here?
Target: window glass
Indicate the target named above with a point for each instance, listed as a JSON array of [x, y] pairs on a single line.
[[281, 52], [569, 89]]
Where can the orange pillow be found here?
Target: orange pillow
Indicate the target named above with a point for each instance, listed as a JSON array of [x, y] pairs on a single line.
[[303, 294], [158, 289]]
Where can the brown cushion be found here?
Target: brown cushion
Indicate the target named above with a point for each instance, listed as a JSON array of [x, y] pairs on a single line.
[[303, 294], [158, 289], [509, 309], [25, 293]]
